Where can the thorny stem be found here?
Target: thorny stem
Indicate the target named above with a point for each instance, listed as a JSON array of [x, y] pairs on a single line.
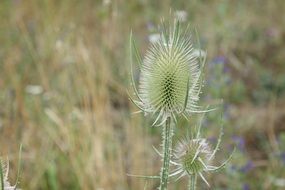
[[167, 146], [192, 182]]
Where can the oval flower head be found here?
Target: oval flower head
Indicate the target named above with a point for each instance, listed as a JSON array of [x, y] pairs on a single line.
[[170, 76]]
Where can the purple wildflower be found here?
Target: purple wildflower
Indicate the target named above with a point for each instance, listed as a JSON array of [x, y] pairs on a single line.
[[282, 156], [245, 186], [212, 140], [223, 61], [247, 167], [234, 168], [226, 111], [240, 142], [219, 60]]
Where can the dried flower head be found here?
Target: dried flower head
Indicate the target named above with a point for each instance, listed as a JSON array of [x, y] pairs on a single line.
[[170, 77]]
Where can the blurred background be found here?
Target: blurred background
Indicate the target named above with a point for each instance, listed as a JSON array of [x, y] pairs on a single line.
[[64, 68]]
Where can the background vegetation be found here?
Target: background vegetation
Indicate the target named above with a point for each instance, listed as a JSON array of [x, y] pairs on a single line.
[[64, 69]]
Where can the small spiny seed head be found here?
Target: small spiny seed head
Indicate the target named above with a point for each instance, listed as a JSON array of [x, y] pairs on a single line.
[[193, 155]]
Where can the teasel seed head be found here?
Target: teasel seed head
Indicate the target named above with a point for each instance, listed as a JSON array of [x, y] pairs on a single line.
[[170, 75], [4, 171], [194, 156]]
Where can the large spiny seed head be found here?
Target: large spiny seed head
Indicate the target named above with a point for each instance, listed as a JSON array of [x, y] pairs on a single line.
[[170, 74], [194, 155], [166, 83]]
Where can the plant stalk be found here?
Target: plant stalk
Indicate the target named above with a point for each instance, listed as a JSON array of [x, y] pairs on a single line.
[[1, 176], [192, 182], [167, 147]]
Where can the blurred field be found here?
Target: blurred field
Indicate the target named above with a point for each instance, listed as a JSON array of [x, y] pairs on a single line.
[[64, 69]]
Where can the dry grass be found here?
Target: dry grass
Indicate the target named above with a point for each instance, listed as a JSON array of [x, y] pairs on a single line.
[[78, 132]]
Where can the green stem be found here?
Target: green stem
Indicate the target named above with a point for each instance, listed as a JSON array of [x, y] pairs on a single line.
[[192, 182], [1, 175], [167, 146]]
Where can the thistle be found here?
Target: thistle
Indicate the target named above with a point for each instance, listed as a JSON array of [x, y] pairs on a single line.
[[4, 171], [193, 157], [169, 83], [170, 77]]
